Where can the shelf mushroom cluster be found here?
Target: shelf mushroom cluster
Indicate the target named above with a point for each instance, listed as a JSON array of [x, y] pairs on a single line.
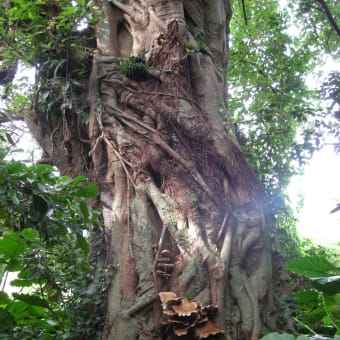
[[184, 317], [164, 266]]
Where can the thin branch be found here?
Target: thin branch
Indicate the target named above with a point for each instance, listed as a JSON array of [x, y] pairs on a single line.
[[100, 138], [244, 12], [330, 17]]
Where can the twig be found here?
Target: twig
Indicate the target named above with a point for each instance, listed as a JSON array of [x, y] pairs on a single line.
[[305, 326], [95, 145]]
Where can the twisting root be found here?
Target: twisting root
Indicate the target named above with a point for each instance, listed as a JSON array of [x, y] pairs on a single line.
[[255, 306], [96, 143], [121, 159]]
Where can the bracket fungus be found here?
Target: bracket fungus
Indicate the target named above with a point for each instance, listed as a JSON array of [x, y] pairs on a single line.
[[165, 265], [183, 317]]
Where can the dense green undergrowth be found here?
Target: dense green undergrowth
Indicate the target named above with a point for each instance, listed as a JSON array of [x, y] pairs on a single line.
[[46, 265]]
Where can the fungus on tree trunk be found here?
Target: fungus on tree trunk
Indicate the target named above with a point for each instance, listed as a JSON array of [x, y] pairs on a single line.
[[183, 317], [165, 157]]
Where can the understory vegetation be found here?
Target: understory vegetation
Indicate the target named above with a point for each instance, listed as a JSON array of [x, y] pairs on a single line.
[[52, 253]]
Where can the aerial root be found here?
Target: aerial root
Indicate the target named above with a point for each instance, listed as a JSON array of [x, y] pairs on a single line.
[[122, 160], [254, 304], [143, 302], [100, 138], [155, 137]]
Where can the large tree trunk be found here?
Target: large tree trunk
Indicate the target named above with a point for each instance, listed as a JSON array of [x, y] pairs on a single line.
[[183, 211]]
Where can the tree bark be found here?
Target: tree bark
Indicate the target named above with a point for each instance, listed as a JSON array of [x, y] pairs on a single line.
[[183, 211]]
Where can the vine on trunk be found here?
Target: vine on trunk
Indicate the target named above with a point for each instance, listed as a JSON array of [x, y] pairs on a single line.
[[174, 171]]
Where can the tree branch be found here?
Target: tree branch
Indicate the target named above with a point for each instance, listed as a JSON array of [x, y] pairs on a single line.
[[330, 17]]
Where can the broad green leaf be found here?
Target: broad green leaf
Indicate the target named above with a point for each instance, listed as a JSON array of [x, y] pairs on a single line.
[[23, 283], [314, 316], [328, 285], [43, 168], [6, 320], [79, 179], [30, 234], [15, 199], [307, 299], [16, 168], [14, 265], [87, 191], [31, 299], [4, 298], [12, 246], [312, 266], [19, 309]]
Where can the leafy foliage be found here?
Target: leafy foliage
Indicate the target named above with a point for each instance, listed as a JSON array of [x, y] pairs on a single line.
[[314, 21], [133, 67], [51, 38], [45, 223], [269, 99], [39, 26], [318, 307]]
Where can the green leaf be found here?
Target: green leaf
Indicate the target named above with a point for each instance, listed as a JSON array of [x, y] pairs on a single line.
[[43, 168], [88, 191], [85, 211], [6, 320], [16, 168], [79, 179], [275, 336], [307, 299], [31, 299], [15, 199], [82, 244], [312, 266], [40, 206], [12, 246], [328, 285], [4, 298], [2, 270], [30, 234], [23, 283]]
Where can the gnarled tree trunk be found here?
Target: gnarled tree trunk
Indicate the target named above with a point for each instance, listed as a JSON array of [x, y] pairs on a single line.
[[183, 211]]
